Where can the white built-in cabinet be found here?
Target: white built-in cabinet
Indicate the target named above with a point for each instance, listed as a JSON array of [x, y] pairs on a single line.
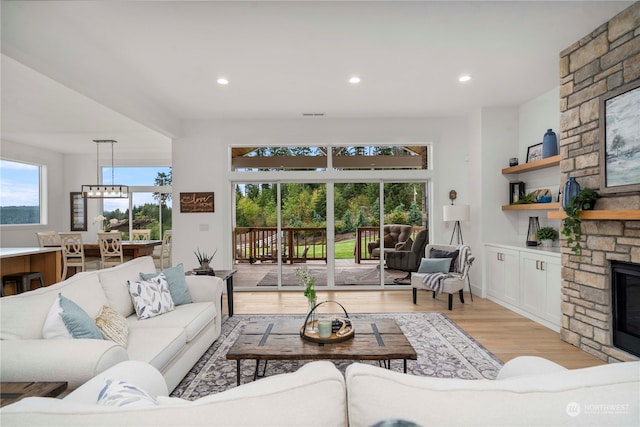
[[525, 280]]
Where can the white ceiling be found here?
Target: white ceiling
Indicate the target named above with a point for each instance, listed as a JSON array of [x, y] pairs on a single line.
[[132, 71]]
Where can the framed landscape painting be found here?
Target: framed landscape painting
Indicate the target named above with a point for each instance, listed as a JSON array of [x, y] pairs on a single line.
[[620, 140]]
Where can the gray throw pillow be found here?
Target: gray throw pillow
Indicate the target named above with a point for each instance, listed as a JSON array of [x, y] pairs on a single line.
[[437, 253], [177, 283]]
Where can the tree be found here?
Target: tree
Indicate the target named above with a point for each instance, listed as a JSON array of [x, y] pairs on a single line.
[[415, 216], [163, 180]]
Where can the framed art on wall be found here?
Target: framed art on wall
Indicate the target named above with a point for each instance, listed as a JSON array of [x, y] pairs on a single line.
[[534, 152], [78, 212], [620, 140], [196, 202]]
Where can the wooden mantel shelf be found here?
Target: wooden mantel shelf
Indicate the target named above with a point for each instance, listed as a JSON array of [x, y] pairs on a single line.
[[619, 214]]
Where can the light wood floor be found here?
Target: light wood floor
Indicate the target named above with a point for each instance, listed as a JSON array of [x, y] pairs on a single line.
[[503, 332]]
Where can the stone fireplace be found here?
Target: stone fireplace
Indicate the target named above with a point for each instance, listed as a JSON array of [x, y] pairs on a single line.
[[602, 61]]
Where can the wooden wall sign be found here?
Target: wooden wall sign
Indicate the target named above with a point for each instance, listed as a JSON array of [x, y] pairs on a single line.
[[196, 202]]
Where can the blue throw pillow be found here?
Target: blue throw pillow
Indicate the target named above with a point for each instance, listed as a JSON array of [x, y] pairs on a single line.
[[177, 283], [434, 265], [77, 321]]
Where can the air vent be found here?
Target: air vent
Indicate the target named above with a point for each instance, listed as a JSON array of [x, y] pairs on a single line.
[[312, 114]]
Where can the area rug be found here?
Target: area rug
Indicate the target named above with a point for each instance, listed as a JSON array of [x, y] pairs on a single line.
[[346, 276], [444, 351]]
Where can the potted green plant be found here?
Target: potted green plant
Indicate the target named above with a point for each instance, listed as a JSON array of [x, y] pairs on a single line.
[[585, 200], [204, 259], [547, 235]]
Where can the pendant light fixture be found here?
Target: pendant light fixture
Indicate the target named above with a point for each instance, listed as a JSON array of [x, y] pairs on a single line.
[[105, 191]]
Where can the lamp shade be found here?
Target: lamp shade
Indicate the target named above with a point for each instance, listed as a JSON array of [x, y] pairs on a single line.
[[456, 212]]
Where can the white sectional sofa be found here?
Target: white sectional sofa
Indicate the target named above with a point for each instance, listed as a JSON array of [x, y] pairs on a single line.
[[172, 342], [529, 391]]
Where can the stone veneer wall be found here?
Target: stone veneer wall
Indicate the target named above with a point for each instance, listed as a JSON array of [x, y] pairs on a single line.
[[604, 60]]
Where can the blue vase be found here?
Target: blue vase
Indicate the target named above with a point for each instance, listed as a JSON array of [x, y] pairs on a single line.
[[570, 190], [549, 144]]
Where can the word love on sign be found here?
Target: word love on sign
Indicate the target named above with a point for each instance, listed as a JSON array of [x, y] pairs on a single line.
[[196, 202]]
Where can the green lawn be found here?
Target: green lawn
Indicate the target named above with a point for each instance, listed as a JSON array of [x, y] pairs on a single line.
[[344, 249]]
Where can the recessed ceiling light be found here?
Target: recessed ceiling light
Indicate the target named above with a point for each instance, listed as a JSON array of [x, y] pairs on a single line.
[[223, 81], [464, 78], [354, 80]]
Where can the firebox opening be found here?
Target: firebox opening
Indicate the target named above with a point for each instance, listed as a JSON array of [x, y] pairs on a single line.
[[625, 285]]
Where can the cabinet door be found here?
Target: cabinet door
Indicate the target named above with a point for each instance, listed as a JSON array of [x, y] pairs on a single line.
[[533, 283], [495, 272], [552, 268], [502, 274]]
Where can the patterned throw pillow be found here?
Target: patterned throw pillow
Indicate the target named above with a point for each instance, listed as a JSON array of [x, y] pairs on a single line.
[[151, 297], [113, 325], [177, 283], [121, 393]]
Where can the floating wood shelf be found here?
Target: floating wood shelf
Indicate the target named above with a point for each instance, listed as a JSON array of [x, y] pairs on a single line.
[[532, 166], [619, 214], [532, 207]]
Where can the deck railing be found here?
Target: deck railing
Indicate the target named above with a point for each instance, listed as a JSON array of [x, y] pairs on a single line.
[[299, 244]]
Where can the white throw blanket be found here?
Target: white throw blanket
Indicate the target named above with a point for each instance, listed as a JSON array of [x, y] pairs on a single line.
[[435, 281]]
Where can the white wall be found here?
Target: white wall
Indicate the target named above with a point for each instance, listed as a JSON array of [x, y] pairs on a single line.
[[24, 235], [201, 162]]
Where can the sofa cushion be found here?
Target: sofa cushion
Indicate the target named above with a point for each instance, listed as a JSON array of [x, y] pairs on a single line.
[[54, 327], [177, 283], [114, 282], [151, 298], [191, 317], [113, 325], [77, 321], [156, 346]]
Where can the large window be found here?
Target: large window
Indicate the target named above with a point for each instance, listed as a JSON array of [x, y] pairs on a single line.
[[20, 193]]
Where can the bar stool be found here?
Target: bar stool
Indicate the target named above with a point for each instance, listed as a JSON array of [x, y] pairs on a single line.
[[22, 280]]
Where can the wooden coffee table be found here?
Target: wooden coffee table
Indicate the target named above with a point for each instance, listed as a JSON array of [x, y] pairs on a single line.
[[375, 339], [12, 392]]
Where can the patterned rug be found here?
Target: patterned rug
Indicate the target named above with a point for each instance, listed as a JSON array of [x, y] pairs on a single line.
[[344, 276], [444, 351]]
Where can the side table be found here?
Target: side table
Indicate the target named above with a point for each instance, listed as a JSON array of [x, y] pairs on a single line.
[[12, 392], [227, 276]]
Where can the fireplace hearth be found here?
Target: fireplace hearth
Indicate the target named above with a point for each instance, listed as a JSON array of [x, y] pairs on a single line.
[[625, 287]]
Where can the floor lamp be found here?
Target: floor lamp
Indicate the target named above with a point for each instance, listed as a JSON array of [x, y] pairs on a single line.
[[456, 213]]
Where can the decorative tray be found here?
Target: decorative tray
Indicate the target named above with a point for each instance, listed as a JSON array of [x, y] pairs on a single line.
[[204, 272], [341, 328]]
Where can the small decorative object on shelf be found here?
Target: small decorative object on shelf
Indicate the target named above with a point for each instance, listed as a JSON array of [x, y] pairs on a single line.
[[585, 199], [513, 161], [516, 191], [543, 196], [534, 226], [546, 236], [569, 191], [549, 144], [329, 330], [308, 281], [204, 259]]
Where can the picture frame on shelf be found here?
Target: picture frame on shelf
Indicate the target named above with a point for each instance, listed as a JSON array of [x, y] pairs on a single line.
[[620, 140], [534, 152]]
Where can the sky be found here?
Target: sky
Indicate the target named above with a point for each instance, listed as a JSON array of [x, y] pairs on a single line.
[[19, 184]]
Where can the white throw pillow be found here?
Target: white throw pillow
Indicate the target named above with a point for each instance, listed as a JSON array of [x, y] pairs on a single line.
[[54, 327], [151, 297], [121, 393]]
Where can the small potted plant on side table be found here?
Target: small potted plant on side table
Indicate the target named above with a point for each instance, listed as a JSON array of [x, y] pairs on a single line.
[[547, 235], [204, 261]]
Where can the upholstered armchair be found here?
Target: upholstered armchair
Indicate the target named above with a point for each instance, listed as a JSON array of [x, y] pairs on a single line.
[[408, 260], [453, 280], [396, 236]]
